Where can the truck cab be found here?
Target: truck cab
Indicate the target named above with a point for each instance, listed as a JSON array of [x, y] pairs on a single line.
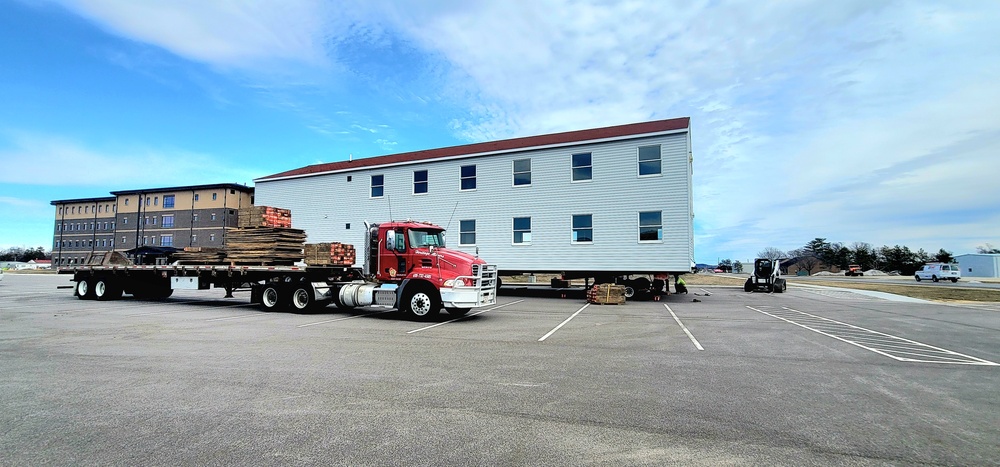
[[939, 271], [410, 261]]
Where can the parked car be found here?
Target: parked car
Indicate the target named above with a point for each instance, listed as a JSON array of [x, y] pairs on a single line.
[[939, 271]]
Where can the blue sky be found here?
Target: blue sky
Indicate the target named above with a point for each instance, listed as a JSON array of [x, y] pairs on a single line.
[[856, 121]]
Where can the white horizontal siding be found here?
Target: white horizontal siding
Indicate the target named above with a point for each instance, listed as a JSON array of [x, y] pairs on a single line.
[[323, 205]]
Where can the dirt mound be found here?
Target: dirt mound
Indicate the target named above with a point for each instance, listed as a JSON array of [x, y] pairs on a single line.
[[824, 273]]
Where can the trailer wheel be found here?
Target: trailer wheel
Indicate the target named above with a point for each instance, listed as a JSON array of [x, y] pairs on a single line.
[[83, 290], [106, 289], [302, 299], [270, 297], [421, 301]]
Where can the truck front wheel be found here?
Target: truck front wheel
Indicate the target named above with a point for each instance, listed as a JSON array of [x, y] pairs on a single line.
[[422, 302]]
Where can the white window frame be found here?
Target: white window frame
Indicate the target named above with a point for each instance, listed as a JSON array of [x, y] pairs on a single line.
[[638, 162], [462, 233], [514, 172], [514, 231], [463, 178], [573, 167], [372, 185], [639, 226], [574, 229], [426, 183]]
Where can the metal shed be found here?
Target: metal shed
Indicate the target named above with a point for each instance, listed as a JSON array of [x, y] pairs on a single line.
[[979, 265]]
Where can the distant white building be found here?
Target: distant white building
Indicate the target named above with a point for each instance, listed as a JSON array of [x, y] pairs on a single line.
[[979, 265]]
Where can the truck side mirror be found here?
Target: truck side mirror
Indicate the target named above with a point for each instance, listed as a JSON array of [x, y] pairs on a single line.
[[390, 240]]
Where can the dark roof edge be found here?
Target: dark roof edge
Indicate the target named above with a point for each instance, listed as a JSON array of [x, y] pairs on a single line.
[[552, 139], [82, 200], [183, 188]]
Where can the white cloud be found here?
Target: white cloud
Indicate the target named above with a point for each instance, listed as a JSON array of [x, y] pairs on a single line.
[[809, 118], [228, 34], [71, 163]]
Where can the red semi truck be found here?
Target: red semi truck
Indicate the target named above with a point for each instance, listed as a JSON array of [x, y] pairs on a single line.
[[407, 267]]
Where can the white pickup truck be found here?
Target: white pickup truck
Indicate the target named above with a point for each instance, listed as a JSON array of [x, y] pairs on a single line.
[[939, 271]]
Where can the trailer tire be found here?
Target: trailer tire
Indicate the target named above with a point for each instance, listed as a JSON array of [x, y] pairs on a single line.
[[107, 289], [421, 301], [270, 298], [301, 299], [84, 290]]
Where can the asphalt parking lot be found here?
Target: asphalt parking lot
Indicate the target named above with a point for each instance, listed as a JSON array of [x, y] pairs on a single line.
[[809, 377]]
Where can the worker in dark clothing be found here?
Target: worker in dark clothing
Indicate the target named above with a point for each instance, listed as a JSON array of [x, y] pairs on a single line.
[[679, 285]]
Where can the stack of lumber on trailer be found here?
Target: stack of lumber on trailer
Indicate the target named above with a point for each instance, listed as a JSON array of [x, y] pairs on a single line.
[[200, 255], [329, 254], [606, 294], [264, 245], [264, 216]]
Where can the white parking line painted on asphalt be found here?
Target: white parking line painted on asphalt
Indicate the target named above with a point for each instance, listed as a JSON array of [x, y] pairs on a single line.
[[894, 347], [679, 323], [344, 318], [553, 331], [256, 315], [234, 305], [462, 317]]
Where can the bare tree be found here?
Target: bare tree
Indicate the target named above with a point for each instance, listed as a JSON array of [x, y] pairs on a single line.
[[987, 250], [808, 262], [771, 253]]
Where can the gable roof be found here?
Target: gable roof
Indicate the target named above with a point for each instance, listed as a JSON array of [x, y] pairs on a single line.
[[554, 139]]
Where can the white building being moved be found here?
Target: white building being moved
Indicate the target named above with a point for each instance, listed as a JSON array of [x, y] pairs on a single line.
[[599, 202]]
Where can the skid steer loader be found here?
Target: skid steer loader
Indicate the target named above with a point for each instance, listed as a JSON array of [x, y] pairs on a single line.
[[765, 277]]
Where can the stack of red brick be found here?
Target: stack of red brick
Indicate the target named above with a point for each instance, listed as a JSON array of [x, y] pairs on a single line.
[[265, 216], [329, 254]]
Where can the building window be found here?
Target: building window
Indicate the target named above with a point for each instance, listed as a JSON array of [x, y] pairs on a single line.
[[349, 178], [126, 201], [583, 228], [156, 201], [124, 241], [522, 230], [194, 238], [194, 217], [213, 216], [196, 196], [378, 186], [649, 160], [124, 220], [168, 201], [419, 181], [650, 226], [154, 220], [215, 196], [211, 237], [148, 199], [166, 240], [582, 168], [168, 220], [522, 172], [467, 232], [468, 176]]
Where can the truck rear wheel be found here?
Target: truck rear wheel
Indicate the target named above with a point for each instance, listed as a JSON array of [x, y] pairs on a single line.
[[422, 302], [934, 278], [270, 297], [302, 299]]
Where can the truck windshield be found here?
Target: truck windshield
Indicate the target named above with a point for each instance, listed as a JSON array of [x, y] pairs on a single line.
[[425, 238]]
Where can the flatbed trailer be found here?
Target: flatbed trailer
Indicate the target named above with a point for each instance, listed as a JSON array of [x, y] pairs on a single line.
[[298, 288]]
